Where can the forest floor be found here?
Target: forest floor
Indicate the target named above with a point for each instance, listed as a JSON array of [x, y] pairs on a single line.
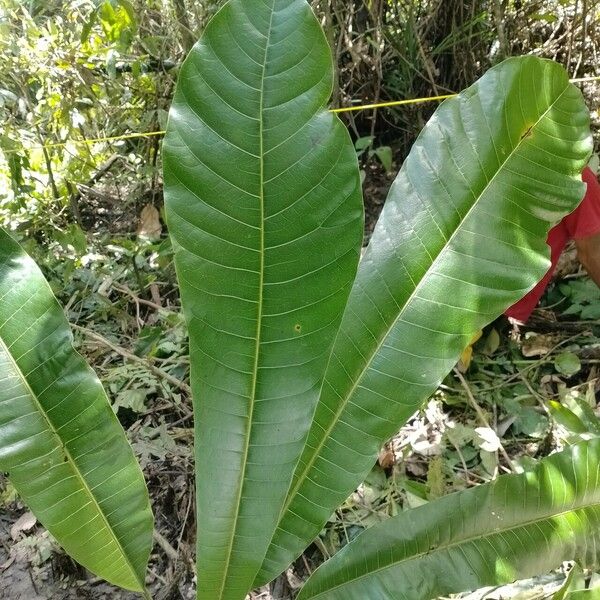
[[492, 416]]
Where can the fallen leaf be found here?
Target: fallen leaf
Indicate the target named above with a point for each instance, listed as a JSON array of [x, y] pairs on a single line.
[[567, 363], [149, 227], [386, 457], [25, 522], [488, 439], [537, 345]]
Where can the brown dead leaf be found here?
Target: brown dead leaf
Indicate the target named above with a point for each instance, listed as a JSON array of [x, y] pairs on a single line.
[[538, 345], [567, 262], [386, 458], [25, 522], [149, 227]]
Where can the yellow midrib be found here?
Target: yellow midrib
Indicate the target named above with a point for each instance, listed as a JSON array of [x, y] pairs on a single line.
[[259, 310]]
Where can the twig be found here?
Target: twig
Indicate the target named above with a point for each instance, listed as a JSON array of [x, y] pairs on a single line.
[[125, 290], [132, 357], [306, 565], [187, 514], [164, 544], [482, 417], [75, 192]]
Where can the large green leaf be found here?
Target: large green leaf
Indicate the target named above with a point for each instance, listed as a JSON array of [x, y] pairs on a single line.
[[263, 203], [516, 527], [461, 237], [60, 442]]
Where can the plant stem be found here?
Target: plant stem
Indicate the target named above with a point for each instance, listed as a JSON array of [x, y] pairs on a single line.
[[130, 356], [482, 417]]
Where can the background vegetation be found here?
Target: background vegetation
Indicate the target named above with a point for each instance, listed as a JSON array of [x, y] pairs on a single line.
[[74, 75]]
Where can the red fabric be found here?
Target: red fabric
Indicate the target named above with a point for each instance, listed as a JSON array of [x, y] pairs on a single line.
[[583, 222]]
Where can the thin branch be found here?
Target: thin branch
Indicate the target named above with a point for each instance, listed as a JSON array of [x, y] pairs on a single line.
[[482, 418], [184, 387]]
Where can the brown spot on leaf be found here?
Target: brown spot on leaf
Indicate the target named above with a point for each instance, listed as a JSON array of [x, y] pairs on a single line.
[[527, 132]]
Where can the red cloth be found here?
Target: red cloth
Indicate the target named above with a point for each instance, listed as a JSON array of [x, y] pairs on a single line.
[[583, 222]]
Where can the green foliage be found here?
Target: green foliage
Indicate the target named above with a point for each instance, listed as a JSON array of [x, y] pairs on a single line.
[[73, 72], [575, 416], [494, 533], [266, 253], [62, 446], [365, 147], [263, 204], [584, 298], [464, 192], [567, 363], [473, 153]]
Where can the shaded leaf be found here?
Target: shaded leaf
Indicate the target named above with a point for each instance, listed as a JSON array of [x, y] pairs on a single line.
[[567, 363], [384, 154]]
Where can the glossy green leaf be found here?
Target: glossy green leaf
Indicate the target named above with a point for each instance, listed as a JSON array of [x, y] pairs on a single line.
[[461, 237], [516, 527], [60, 442], [592, 594], [263, 203], [568, 583], [567, 418]]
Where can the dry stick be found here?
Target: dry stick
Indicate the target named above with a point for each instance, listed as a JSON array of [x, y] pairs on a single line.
[[425, 59], [125, 290], [159, 577], [184, 387], [535, 394], [75, 192], [482, 417], [187, 513], [497, 10], [572, 32], [164, 544], [583, 37], [534, 364]]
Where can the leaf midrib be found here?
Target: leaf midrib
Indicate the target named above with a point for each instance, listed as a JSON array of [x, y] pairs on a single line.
[[463, 541], [326, 435], [71, 460], [261, 199]]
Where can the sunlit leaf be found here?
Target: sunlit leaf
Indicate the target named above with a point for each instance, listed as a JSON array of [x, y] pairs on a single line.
[[462, 236], [515, 527], [60, 442], [263, 202]]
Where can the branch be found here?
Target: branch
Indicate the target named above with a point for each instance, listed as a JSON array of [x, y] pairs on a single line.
[[184, 387]]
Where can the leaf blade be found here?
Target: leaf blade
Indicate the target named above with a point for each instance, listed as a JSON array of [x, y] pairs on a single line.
[[61, 444], [463, 212], [539, 519], [264, 206]]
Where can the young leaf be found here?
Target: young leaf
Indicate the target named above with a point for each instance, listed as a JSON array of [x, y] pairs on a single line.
[[516, 527], [60, 442], [263, 203], [567, 363], [384, 154], [462, 236]]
